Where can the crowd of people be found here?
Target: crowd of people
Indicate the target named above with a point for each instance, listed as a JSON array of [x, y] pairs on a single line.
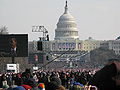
[[47, 80], [107, 78]]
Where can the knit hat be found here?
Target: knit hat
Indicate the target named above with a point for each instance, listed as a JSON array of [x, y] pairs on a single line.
[[27, 87], [41, 86], [19, 88]]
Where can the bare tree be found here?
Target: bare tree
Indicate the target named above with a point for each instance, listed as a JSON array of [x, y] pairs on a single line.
[[4, 30]]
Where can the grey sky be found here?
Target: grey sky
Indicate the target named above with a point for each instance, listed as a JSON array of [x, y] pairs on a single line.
[[99, 19]]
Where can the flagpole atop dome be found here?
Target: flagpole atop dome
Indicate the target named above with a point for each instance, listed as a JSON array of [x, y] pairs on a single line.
[[66, 8], [66, 4]]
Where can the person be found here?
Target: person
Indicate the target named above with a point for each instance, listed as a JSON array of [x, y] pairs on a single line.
[[13, 46], [105, 79]]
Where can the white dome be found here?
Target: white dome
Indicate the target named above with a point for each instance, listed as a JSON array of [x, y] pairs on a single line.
[[66, 27], [66, 17]]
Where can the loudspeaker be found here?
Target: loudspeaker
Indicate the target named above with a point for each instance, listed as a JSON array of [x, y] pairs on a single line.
[[39, 45], [47, 57]]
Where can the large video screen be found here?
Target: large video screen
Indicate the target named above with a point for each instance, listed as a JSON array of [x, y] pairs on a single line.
[[14, 45]]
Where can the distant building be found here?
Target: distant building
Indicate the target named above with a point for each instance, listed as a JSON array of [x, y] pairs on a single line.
[[112, 45], [90, 44]]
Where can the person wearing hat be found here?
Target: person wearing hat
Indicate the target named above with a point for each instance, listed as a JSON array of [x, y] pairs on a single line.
[[105, 79], [31, 82]]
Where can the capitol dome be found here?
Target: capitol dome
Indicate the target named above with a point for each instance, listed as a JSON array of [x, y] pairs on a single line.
[[66, 27], [66, 17]]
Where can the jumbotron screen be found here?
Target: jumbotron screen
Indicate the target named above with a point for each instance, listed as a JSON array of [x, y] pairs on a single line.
[[14, 45]]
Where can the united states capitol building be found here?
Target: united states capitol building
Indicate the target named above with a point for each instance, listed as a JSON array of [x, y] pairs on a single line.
[[67, 44], [67, 39]]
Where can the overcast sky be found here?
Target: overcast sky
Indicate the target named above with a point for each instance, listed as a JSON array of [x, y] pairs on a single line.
[[99, 19]]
